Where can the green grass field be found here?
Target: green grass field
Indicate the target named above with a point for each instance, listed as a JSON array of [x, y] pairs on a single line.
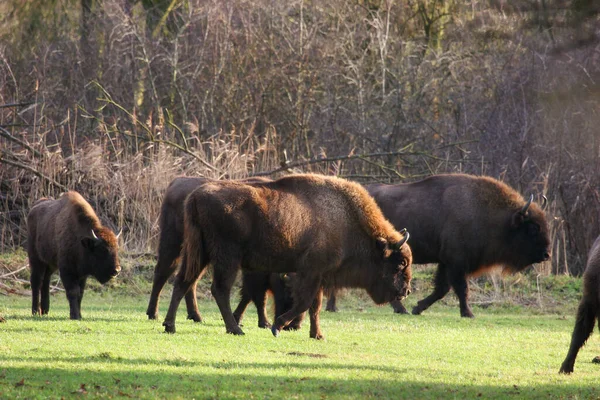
[[369, 352]]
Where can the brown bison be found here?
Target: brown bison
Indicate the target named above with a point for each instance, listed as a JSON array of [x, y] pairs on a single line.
[[327, 230], [589, 308], [467, 224], [255, 285], [66, 234]]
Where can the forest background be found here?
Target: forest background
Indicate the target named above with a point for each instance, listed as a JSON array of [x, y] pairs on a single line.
[[115, 98]]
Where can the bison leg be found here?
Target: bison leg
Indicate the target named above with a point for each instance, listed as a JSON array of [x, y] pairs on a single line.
[[331, 302], [398, 307], [254, 288], [245, 299], [441, 288], [314, 311], [38, 270], [223, 279], [584, 325], [180, 287], [259, 298], [192, 304], [305, 291], [46, 292], [461, 287], [168, 252], [82, 283], [72, 290]]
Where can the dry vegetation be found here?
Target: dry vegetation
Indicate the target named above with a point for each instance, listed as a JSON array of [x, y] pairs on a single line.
[[115, 98]]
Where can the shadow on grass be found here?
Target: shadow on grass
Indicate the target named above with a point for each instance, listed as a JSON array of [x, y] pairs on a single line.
[[54, 382]]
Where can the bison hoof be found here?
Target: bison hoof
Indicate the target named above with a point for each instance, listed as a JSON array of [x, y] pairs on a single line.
[[237, 331], [400, 311], [195, 317], [275, 331], [332, 309], [318, 336], [293, 327], [565, 369], [264, 325], [169, 328], [416, 311], [467, 314]]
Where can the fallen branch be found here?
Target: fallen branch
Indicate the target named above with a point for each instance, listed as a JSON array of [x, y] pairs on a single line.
[[13, 272]]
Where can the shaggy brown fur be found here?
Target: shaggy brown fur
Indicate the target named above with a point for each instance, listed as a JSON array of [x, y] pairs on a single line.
[[327, 230], [589, 308], [467, 224], [255, 285], [61, 236]]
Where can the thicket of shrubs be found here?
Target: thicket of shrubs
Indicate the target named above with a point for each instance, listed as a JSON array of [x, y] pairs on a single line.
[[118, 97]]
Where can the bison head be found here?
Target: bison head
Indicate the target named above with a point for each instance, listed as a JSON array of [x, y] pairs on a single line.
[[101, 255], [393, 281], [528, 238]]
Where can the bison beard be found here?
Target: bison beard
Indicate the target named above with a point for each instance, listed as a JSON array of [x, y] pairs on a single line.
[[588, 310], [466, 224], [324, 229], [255, 285], [66, 234]]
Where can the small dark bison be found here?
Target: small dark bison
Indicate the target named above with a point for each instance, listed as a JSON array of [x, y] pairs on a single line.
[[255, 285], [66, 234], [466, 224], [589, 308], [327, 230]]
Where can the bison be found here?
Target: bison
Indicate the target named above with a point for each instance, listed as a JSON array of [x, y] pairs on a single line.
[[327, 230], [255, 285], [466, 224], [66, 234], [588, 310]]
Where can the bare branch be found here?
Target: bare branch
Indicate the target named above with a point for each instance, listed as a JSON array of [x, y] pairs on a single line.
[[6, 134], [17, 164]]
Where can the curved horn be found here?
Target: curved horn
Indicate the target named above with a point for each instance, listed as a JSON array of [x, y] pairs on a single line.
[[94, 235], [119, 234], [406, 236], [526, 206], [544, 202]]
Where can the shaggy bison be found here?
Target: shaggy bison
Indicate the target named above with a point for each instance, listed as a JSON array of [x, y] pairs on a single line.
[[255, 285], [328, 231], [66, 234], [467, 224], [589, 308]]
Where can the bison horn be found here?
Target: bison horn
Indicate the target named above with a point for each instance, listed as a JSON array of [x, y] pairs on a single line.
[[94, 235], [406, 236], [119, 234], [544, 202], [526, 206]]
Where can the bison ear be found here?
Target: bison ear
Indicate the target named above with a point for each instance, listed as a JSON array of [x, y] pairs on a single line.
[[382, 245], [518, 219], [89, 243]]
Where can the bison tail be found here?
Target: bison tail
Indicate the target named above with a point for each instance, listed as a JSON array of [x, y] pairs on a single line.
[[194, 252]]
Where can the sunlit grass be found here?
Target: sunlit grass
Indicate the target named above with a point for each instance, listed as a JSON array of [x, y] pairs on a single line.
[[116, 352]]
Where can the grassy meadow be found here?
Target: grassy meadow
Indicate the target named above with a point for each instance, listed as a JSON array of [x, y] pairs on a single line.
[[507, 351]]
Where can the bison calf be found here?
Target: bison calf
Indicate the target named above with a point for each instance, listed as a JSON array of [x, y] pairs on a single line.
[[589, 308], [328, 231], [66, 234]]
